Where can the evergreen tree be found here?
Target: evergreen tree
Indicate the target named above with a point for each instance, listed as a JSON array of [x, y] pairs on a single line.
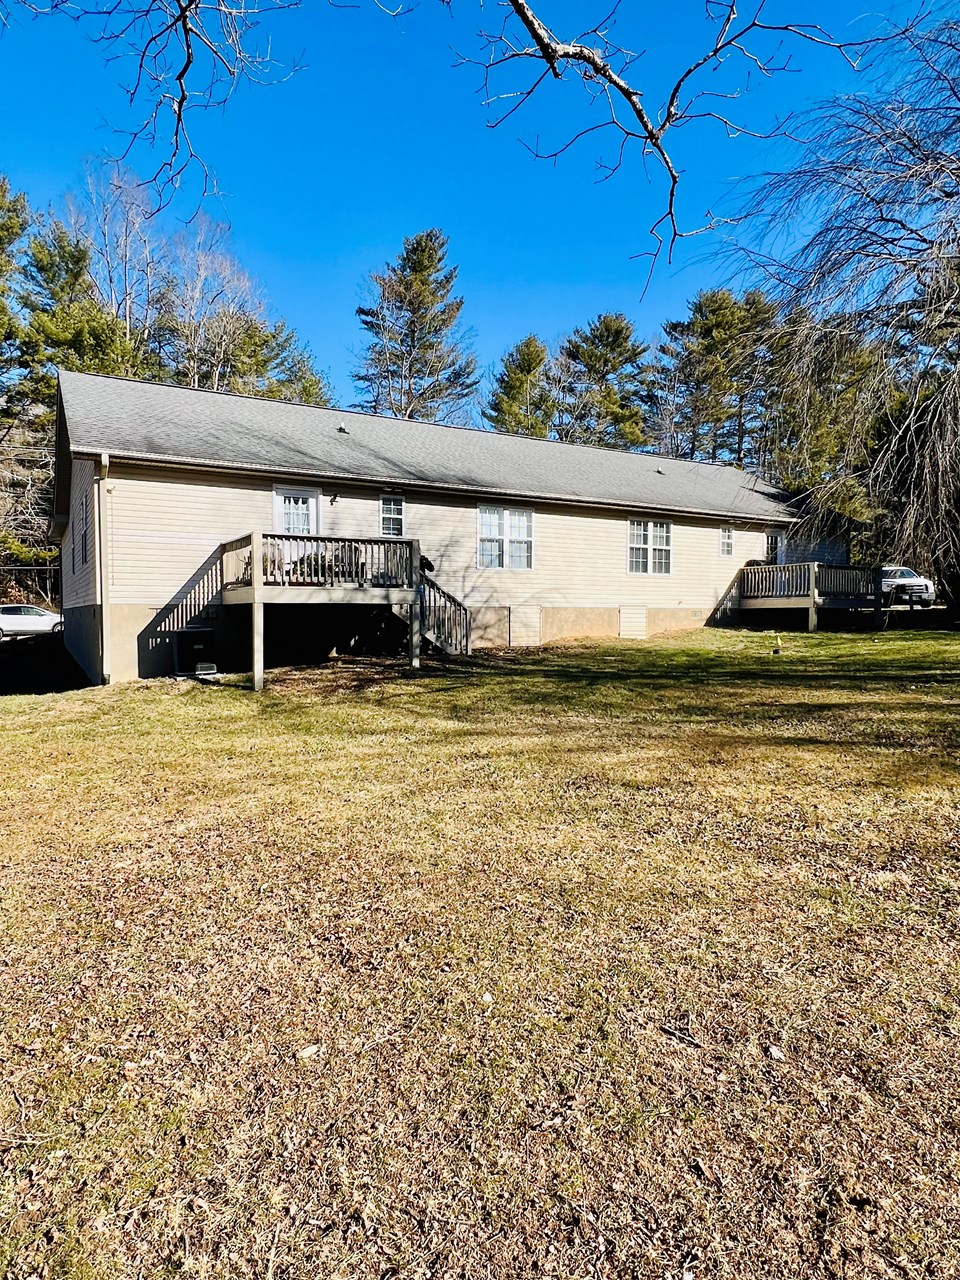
[[85, 301], [14, 220], [417, 363], [714, 366], [522, 401], [63, 323], [593, 391], [604, 385]]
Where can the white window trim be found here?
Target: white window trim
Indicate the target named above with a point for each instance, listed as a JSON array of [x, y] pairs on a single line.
[[649, 572], [394, 497], [280, 491], [728, 528], [506, 566]]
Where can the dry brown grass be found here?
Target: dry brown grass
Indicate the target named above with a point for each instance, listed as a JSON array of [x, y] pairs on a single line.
[[633, 961]]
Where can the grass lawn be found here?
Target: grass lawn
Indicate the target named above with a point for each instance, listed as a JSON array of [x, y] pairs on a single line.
[[611, 961]]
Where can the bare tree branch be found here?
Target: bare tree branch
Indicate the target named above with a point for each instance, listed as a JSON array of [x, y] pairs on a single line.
[[865, 230], [607, 69], [185, 55]]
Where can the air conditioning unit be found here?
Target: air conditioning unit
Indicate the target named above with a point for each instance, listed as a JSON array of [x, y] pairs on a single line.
[[194, 649]]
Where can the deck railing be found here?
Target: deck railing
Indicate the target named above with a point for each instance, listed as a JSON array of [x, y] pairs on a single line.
[[237, 560], [338, 562], [443, 618], [775, 581], [285, 560], [811, 581], [844, 581]]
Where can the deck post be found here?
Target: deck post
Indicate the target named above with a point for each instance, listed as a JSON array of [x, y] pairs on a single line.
[[812, 607], [416, 610], [878, 597], [256, 582], [415, 633], [256, 561], [257, 608]]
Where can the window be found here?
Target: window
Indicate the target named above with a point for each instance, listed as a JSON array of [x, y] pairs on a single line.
[[295, 512], [650, 546], [391, 516], [84, 515], [504, 538], [726, 542]]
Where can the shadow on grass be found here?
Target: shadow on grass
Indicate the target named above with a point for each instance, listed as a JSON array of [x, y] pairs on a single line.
[[38, 664], [902, 693]]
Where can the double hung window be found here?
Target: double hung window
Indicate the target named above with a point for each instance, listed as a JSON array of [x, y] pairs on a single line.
[[649, 547], [504, 538]]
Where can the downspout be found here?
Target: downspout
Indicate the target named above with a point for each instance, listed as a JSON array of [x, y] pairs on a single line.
[[103, 567]]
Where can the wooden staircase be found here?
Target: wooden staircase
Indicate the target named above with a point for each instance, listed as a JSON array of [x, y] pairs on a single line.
[[444, 620]]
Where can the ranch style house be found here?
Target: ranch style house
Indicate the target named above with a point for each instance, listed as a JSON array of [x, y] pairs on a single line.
[[196, 525]]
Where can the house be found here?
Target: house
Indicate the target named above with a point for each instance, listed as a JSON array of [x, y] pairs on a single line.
[[259, 521]]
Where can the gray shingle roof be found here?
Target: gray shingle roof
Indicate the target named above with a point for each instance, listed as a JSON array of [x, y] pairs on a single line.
[[155, 422]]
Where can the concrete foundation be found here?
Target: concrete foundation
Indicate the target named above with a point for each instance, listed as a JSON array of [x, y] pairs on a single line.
[[659, 620], [81, 636], [490, 627], [573, 624]]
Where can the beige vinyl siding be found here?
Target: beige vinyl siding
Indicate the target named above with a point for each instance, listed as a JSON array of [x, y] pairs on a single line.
[[164, 526], [580, 557], [79, 580]]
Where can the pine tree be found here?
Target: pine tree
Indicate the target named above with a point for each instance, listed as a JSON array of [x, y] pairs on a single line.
[[63, 306], [716, 364], [522, 401], [417, 363], [14, 220], [64, 325], [603, 382]]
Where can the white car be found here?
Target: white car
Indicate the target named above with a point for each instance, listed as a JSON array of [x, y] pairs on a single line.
[[904, 584], [27, 620]]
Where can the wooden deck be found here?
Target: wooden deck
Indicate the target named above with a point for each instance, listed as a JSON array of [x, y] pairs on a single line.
[[811, 586], [272, 568]]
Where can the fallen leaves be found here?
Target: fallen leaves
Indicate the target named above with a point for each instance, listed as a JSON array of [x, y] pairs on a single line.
[[601, 962]]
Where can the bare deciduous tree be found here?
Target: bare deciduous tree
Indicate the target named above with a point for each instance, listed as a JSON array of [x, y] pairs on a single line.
[[182, 55], [866, 227], [129, 264], [187, 54], [208, 309], [610, 71]]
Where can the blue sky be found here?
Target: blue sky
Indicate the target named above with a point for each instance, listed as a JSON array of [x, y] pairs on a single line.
[[380, 135]]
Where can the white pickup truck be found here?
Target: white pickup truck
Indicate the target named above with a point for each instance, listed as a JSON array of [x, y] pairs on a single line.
[[906, 586]]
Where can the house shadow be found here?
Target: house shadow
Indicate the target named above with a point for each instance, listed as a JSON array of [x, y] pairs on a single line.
[[308, 633], [38, 664], [197, 604]]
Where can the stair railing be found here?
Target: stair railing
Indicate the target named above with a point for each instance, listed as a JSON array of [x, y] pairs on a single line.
[[443, 618]]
